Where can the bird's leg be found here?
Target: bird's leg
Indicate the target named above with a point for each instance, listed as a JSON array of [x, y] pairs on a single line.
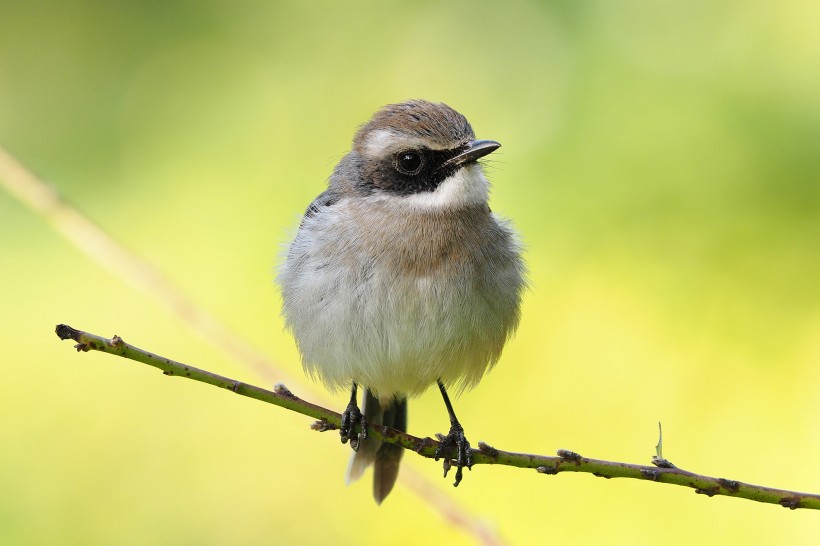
[[351, 417], [455, 440]]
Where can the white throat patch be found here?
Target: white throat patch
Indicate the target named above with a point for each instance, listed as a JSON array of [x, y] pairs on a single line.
[[468, 186]]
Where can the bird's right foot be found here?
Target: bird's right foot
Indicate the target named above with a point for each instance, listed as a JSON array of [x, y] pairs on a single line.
[[455, 449]]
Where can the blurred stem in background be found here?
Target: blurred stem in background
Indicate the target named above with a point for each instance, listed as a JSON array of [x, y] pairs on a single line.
[[108, 253]]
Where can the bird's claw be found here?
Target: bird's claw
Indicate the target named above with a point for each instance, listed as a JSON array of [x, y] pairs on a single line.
[[455, 440], [351, 417]]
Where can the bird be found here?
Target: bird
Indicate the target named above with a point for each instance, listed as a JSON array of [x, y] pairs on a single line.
[[401, 277]]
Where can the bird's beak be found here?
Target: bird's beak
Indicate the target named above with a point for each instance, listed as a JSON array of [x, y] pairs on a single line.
[[472, 151]]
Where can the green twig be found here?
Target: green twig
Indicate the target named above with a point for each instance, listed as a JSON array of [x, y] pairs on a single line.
[[566, 461]]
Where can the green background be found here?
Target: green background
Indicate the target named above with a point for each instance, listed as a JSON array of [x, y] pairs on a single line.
[[660, 159]]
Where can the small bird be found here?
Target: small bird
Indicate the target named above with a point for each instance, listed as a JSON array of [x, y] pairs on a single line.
[[400, 277]]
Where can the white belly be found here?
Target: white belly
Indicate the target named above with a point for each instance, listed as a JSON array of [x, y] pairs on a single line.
[[357, 316]]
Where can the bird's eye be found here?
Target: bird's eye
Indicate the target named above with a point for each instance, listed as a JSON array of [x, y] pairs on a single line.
[[409, 162]]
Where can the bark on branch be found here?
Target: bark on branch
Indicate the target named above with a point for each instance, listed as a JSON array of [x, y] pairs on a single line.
[[662, 470]]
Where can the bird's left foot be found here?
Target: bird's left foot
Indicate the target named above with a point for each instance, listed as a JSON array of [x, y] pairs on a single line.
[[454, 441], [351, 417]]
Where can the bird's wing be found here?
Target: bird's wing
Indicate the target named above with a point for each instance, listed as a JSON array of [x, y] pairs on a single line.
[[325, 199]]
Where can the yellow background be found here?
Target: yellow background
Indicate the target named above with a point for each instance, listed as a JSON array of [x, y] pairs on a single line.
[[660, 160]]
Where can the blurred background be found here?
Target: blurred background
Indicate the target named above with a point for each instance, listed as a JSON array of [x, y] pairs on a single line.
[[660, 160]]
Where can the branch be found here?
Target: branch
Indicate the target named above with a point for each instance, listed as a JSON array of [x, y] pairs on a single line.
[[567, 461]]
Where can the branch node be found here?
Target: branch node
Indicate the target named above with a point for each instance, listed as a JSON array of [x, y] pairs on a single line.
[[64, 331], [790, 502], [488, 450], [708, 491], [280, 388], [599, 475], [117, 341], [422, 444], [322, 425], [234, 386], [548, 470], [168, 372], [650, 474], [662, 463], [570, 456], [729, 485]]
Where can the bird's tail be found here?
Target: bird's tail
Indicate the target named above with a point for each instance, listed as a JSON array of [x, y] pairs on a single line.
[[384, 457]]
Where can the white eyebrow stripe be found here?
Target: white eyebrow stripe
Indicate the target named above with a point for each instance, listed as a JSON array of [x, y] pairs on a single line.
[[383, 141]]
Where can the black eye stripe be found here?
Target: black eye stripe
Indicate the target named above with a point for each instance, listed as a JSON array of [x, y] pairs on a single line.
[[431, 159], [399, 177]]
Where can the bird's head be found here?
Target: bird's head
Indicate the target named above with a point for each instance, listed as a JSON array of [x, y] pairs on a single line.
[[424, 153]]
